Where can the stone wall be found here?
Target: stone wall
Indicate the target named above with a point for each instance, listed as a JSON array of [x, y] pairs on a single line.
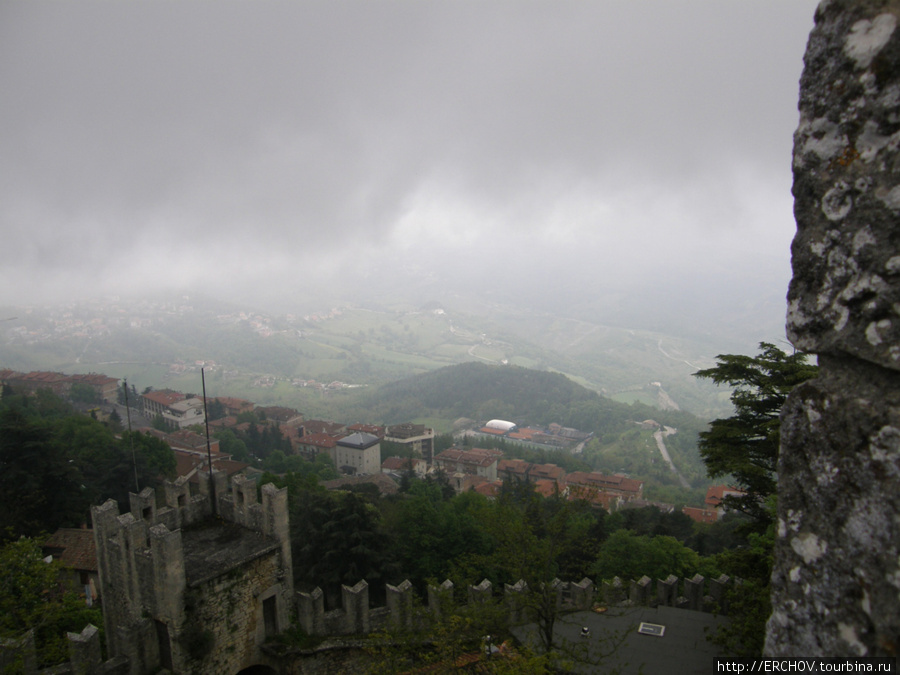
[[229, 607], [836, 580], [357, 618], [190, 591]]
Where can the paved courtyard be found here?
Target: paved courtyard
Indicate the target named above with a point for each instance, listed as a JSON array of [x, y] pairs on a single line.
[[683, 647]]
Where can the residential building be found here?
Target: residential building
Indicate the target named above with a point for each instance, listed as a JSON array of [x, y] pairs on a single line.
[[373, 429], [401, 465], [417, 437], [475, 461], [185, 413], [76, 550], [627, 488], [311, 445], [358, 453], [105, 387], [156, 402], [287, 417]]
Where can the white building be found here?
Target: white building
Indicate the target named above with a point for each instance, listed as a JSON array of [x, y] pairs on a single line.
[[359, 453]]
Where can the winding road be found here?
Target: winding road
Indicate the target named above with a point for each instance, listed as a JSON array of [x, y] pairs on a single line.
[[660, 437]]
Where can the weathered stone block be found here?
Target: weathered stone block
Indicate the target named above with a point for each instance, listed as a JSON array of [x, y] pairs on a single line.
[[667, 591], [440, 598], [480, 593], [400, 604], [641, 591], [84, 651], [836, 578], [614, 591], [693, 592]]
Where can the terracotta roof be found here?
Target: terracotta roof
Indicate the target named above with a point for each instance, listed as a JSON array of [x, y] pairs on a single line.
[[549, 471], [40, 376], [605, 482], [516, 466], [475, 456], [547, 488], [489, 489], [401, 463], [373, 429], [96, 379], [279, 413], [322, 427], [187, 463], [471, 482], [716, 493], [607, 500], [164, 397], [493, 432], [318, 440], [700, 515], [74, 547]]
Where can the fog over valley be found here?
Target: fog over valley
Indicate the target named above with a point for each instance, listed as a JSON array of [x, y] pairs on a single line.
[[531, 167]]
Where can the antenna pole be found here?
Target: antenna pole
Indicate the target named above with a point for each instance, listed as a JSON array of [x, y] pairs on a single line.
[[212, 483], [137, 487]]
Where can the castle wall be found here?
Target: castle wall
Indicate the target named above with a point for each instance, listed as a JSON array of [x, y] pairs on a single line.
[[203, 611], [231, 608]]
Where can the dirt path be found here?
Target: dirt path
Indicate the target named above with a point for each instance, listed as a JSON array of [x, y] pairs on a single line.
[[660, 437]]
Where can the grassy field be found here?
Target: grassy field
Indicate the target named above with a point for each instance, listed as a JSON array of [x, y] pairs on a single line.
[[365, 347]]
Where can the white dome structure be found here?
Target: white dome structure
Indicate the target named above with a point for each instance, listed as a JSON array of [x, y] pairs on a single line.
[[501, 425]]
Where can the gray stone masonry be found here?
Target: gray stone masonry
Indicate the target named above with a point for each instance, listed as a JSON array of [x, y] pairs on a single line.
[[836, 577], [356, 618], [165, 571]]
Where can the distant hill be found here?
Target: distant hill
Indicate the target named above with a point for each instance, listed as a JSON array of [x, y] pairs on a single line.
[[284, 359], [482, 391]]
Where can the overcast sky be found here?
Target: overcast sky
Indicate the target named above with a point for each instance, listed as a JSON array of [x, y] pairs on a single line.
[[225, 145]]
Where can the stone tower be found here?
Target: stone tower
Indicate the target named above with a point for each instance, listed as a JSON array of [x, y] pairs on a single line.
[[193, 591]]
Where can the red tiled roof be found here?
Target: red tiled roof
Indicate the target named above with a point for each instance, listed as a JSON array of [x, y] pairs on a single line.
[[74, 547], [700, 515], [165, 397], [489, 489], [318, 440], [39, 376], [187, 462], [323, 427], [516, 466], [373, 429], [476, 456], [716, 493], [549, 471], [607, 500], [547, 488], [602, 481], [400, 463], [96, 379]]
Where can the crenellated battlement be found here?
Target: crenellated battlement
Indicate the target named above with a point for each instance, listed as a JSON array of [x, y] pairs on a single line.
[[356, 617], [182, 575]]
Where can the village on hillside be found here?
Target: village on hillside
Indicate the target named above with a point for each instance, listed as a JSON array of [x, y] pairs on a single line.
[[355, 449]]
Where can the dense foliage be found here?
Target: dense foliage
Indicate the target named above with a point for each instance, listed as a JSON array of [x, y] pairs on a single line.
[[54, 464], [744, 447], [30, 598]]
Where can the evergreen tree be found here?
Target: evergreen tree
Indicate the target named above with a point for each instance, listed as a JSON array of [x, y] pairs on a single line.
[[744, 447]]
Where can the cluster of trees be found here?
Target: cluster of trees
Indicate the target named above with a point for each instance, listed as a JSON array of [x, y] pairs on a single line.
[[54, 464], [427, 533]]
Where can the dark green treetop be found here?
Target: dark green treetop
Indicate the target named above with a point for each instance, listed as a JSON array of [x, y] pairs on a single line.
[[744, 447]]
